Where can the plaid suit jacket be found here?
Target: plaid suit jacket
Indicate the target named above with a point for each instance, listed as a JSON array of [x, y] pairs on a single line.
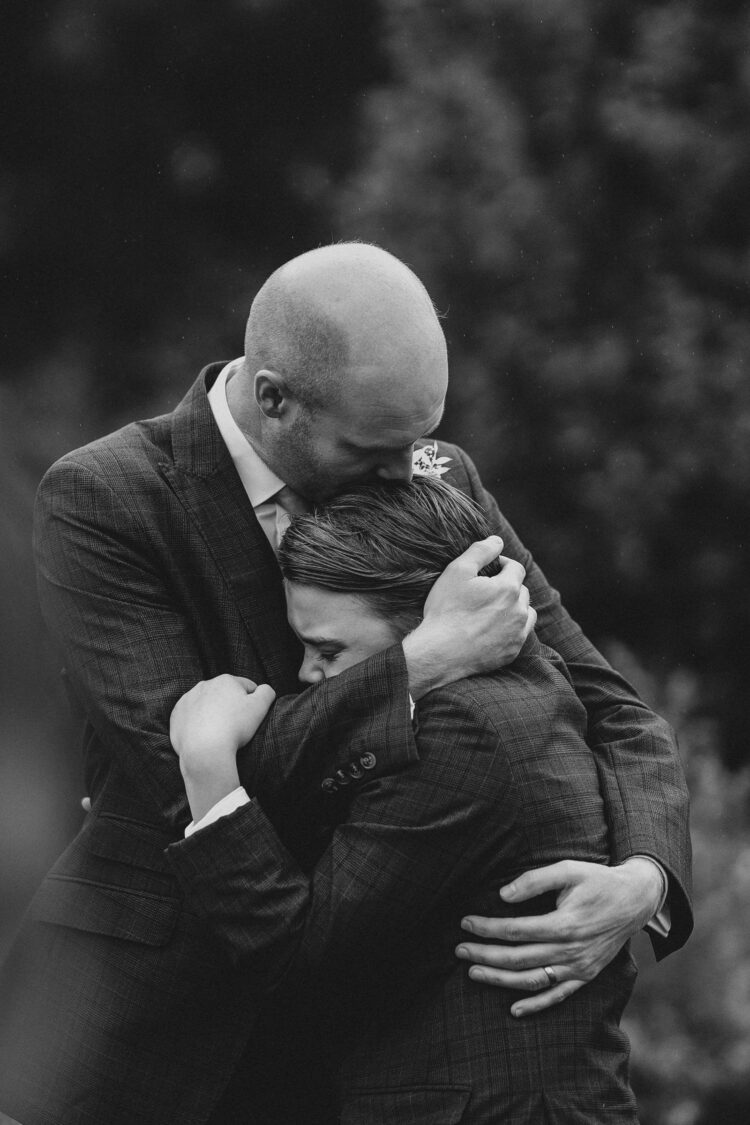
[[153, 573], [115, 1004], [499, 780]]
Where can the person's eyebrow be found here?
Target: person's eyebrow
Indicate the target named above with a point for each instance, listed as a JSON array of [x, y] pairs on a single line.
[[317, 642]]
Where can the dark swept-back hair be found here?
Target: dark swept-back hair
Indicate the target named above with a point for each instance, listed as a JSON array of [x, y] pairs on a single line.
[[387, 543]]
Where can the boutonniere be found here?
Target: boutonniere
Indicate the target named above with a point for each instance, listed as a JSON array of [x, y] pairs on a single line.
[[426, 463]]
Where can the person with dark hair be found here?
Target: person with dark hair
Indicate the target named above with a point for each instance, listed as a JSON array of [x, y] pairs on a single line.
[[385, 545], [499, 781]]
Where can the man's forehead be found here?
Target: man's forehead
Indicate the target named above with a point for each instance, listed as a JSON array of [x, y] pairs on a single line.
[[382, 422]]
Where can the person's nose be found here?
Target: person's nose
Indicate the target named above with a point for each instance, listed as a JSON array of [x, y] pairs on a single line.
[[397, 466], [310, 671]]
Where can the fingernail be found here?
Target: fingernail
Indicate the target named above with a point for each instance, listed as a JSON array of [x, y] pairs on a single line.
[[517, 1012], [466, 925], [509, 891], [462, 951], [477, 974]]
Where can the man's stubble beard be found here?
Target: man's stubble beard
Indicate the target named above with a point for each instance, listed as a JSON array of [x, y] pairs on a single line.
[[299, 467]]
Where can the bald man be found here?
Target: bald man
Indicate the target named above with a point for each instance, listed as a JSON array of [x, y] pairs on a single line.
[[156, 559]]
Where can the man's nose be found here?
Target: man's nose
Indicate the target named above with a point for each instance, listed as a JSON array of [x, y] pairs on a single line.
[[397, 466]]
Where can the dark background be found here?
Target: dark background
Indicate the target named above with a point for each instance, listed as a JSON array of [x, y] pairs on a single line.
[[570, 178]]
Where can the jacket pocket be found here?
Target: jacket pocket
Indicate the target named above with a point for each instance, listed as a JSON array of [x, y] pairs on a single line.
[[127, 841], [408, 1105], [99, 909]]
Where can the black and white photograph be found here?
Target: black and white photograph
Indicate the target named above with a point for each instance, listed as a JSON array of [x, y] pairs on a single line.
[[374, 596]]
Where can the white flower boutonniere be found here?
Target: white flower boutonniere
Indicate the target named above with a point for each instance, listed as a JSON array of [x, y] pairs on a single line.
[[426, 463]]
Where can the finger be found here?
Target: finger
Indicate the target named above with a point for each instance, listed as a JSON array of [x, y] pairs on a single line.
[[530, 622], [533, 1004], [86, 804], [544, 998], [532, 980], [514, 958], [532, 928], [262, 696], [512, 574], [248, 685], [543, 879], [478, 555]]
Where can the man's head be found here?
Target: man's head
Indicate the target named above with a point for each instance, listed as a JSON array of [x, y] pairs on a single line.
[[358, 569], [345, 368]]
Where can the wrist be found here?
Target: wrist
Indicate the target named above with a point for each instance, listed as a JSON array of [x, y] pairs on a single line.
[[424, 655], [649, 881], [206, 783]]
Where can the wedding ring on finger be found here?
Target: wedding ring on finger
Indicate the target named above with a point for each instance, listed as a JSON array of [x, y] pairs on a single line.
[[551, 976]]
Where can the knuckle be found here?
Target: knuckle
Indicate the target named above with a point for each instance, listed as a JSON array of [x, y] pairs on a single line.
[[575, 934], [523, 964], [489, 957]]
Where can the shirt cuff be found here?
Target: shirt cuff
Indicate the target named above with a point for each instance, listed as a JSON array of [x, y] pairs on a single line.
[[234, 800], [662, 920]]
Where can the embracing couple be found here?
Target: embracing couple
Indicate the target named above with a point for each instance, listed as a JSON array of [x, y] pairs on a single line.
[[401, 894]]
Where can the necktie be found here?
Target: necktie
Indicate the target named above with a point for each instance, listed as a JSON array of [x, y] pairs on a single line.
[[288, 504]]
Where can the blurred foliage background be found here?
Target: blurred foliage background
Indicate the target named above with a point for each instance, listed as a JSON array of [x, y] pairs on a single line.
[[570, 178]]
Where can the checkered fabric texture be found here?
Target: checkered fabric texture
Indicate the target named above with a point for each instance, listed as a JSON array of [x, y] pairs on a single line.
[[117, 1002], [501, 781]]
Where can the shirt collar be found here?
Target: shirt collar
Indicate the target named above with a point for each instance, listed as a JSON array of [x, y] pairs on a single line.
[[259, 482]]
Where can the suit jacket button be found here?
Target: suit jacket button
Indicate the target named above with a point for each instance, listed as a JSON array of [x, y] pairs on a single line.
[[342, 778], [355, 771], [368, 761], [328, 785]]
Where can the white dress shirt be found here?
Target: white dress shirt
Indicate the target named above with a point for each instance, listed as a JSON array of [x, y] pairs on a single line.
[[260, 483], [262, 486]]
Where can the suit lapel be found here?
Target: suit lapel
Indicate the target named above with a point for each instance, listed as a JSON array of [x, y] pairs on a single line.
[[205, 481]]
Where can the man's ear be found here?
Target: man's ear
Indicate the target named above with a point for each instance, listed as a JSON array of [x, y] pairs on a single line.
[[271, 393]]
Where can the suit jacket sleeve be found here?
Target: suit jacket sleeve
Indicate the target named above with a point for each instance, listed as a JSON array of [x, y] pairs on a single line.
[[641, 775], [411, 842], [130, 650]]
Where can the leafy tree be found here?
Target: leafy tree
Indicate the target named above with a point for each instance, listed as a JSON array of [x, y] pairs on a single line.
[[570, 181]]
